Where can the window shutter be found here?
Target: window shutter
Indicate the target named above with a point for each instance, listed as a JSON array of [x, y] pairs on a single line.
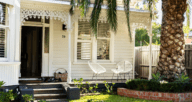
[[83, 43], [2, 13], [103, 30], [84, 32], [2, 30], [83, 50]]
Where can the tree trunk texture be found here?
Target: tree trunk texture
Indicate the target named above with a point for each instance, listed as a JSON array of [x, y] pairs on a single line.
[[171, 60]]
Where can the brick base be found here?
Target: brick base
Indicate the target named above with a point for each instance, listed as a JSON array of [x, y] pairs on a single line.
[[176, 97]]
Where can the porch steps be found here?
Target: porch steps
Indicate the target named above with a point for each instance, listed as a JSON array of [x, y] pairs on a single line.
[[52, 92], [30, 80]]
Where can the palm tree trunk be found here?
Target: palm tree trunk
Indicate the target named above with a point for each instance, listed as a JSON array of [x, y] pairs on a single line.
[[171, 58]]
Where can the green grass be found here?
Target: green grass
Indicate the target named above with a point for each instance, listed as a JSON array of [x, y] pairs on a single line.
[[111, 98]]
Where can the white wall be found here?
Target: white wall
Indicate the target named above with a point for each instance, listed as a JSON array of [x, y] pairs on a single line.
[[9, 69], [123, 50]]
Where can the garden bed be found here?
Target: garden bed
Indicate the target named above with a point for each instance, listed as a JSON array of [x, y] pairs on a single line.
[[163, 96]]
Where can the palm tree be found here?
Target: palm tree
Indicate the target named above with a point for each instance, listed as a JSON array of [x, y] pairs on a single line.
[[172, 37], [171, 60]]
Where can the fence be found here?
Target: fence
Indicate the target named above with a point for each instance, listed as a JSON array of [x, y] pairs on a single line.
[[142, 56], [188, 59], [142, 60]]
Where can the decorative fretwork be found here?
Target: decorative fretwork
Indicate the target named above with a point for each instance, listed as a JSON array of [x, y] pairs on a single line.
[[29, 13]]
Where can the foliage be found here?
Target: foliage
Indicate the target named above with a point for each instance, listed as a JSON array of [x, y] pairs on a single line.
[[186, 30], [151, 6], [111, 98], [126, 8], [1, 83], [95, 15], [182, 78], [80, 85], [28, 97], [141, 35], [157, 77], [109, 89], [111, 12], [151, 85], [7, 96]]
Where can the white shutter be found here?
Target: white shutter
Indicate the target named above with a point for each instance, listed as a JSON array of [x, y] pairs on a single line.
[[3, 30], [84, 41], [2, 13], [84, 30], [103, 30], [83, 50]]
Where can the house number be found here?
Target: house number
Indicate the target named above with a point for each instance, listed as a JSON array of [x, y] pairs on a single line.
[[63, 36]]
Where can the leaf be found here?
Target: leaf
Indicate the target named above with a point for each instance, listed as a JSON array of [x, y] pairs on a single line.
[[95, 15], [112, 14], [126, 8]]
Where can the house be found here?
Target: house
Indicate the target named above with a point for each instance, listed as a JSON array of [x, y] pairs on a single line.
[[40, 36]]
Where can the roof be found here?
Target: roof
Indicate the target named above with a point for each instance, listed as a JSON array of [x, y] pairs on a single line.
[[67, 2]]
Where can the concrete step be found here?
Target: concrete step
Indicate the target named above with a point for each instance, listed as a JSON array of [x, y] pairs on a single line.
[[50, 96], [48, 91], [45, 86]]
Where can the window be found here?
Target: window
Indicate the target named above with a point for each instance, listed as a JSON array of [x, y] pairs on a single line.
[[103, 41], [84, 41], [87, 48], [3, 30]]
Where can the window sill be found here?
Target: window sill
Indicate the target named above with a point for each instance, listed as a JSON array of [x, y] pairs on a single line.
[[97, 62], [9, 63]]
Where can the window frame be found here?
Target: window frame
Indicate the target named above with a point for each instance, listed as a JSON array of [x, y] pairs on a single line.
[[93, 41], [7, 31]]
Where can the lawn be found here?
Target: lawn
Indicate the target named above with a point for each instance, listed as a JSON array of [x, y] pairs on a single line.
[[111, 98]]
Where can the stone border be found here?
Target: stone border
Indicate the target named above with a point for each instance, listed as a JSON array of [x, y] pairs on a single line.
[[155, 95]]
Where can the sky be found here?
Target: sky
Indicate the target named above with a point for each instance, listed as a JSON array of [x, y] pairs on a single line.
[[159, 7]]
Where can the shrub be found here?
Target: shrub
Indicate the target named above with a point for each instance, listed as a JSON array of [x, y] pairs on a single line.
[[157, 77], [182, 78], [27, 97], [146, 85], [6, 96], [83, 87], [109, 89], [1, 83]]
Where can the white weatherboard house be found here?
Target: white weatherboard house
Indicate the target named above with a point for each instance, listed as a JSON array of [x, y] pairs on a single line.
[[35, 43]]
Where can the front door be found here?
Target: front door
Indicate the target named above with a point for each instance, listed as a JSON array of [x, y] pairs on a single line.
[[31, 51]]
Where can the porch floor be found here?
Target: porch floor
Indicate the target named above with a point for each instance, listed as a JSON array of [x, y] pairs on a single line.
[[99, 81]]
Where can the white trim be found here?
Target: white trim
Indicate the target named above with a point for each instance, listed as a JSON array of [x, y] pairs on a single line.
[[91, 5], [69, 48], [80, 63], [93, 42], [112, 46], [10, 2], [12, 34], [75, 40], [9, 63], [134, 55], [50, 47], [3, 26]]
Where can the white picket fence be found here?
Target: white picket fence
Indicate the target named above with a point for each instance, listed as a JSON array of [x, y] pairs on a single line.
[[142, 59]]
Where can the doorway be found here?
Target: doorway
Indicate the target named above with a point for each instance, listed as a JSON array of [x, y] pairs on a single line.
[[31, 51]]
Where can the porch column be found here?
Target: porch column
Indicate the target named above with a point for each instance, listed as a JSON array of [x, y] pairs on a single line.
[[150, 52], [69, 30]]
